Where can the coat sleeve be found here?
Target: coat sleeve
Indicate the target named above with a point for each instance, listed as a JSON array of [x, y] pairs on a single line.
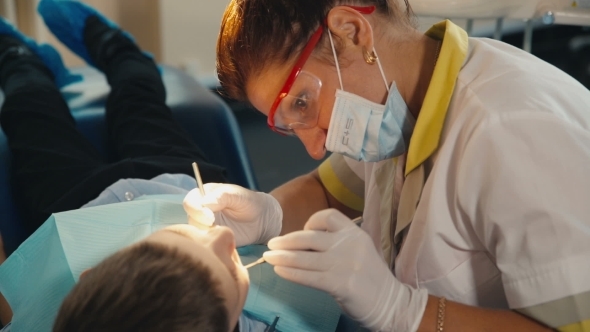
[[524, 186]]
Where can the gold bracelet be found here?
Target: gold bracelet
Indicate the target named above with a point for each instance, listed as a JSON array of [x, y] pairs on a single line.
[[441, 314]]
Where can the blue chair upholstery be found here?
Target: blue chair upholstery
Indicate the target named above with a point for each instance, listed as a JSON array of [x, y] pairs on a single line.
[[205, 116]]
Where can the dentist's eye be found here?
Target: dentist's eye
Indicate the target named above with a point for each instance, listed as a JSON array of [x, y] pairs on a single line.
[[300, 104]]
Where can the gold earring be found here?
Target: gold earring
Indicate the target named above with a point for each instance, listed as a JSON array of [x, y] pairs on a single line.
[[370, 57]]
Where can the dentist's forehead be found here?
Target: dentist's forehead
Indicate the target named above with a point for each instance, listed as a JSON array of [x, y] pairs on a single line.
[[262, 89]]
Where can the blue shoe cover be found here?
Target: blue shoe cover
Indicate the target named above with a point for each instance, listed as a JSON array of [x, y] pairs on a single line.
[[46, 52], [66, 20]]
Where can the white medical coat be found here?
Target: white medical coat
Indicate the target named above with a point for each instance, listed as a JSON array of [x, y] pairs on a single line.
[[501, 213]]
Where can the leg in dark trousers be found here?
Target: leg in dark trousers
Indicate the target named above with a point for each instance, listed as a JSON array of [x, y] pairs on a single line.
[[55, 168], [141, 126], [49, 156]]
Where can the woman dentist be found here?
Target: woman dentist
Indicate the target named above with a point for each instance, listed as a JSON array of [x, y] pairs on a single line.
[[468, 159]]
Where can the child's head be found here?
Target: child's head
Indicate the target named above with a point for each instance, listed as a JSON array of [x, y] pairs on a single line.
[[177, 279]]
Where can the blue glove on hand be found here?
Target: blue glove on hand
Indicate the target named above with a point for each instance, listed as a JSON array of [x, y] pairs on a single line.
[[334, 255]]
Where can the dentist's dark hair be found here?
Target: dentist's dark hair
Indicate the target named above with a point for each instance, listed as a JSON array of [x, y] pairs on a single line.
[[255, 33]]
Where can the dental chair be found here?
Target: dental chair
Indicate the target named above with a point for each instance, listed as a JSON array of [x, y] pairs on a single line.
[[204, 115]]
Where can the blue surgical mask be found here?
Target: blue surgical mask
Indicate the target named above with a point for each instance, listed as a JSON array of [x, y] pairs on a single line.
[[366, 131]]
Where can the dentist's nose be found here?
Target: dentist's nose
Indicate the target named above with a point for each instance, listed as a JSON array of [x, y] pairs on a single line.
[[314, 140]]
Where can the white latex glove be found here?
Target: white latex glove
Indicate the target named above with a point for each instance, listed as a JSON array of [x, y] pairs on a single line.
[[255, 217], [334, 255]]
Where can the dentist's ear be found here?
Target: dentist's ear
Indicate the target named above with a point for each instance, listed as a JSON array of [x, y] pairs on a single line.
[[351, 27], [84, 273]]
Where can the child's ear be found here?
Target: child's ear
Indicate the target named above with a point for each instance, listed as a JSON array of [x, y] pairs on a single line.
[[84, 273]]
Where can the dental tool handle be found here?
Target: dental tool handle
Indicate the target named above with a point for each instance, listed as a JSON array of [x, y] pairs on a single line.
[[258, 261], [198, 178]]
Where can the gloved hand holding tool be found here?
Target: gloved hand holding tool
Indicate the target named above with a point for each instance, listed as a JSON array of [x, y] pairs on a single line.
[[255, 217], [334, 255]]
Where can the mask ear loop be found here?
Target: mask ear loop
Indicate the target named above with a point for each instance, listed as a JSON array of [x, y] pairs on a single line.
[[338, 65], [335, 59], [381, 70]]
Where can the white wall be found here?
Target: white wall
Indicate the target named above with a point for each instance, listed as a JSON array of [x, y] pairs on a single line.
[[181, 33], [189, 33]]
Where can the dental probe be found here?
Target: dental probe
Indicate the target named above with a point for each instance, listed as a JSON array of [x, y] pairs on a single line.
[[258, 261], [199, 223], [198, 177]]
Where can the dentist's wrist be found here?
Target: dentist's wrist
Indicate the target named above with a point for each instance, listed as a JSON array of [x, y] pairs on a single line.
[[398, 308]]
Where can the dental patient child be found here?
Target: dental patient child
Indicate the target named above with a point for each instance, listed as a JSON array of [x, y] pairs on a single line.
[[180, 278], [139, 266]]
